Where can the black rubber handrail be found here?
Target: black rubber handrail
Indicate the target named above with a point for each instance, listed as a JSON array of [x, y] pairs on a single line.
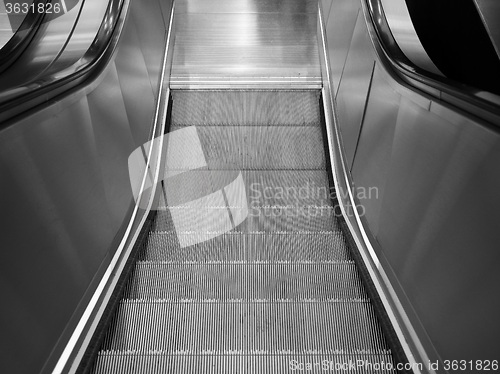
[[472, 100], [50, 87], [22, 37], [456, 39]]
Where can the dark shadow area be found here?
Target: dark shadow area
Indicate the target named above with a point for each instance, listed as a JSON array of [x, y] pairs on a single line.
[[456, 40]]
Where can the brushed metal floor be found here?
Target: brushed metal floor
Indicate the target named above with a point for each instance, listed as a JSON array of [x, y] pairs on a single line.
[[246, 6], [224, 43]]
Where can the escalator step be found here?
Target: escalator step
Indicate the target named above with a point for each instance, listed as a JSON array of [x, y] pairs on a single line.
[[112, 362], [305, 247], [262, 187], [201, 220], [244, 281], [195, 326], [261, 147], [245, 108]]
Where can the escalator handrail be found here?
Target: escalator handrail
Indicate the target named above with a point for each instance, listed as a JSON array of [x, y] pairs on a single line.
[[88, 67], [465, 97], [21, 38]]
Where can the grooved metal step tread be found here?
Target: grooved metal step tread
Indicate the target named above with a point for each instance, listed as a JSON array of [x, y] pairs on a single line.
[[230, 363], [262, 187], [254, 81], [258, 218], [254, 246], [244, 281], [245, 108], [261, 147], [312, 326]]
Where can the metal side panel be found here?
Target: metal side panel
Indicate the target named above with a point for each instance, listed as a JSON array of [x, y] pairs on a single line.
[[82, 37], [78, 350], [340, 29], [48, 42], [67, 205], [410, 349], [166, 7], [444, 178], [354, 87], [114, 142], [327, 5], [151, 32], [135, 86], [374, 151], [434, 220], [55, 230]]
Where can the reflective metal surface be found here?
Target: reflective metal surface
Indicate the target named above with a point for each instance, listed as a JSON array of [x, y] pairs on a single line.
[[398, 326], [326, 6], [478, 103], [14, 42], [82, 36], [247, 6], [489, 10], [5, 30], [340, 28], [404, 32], [150, 35], [353, 89], [66, 198], [245, 43], [433, 222], [444, 173], [375, 144], [83, 46], [44, 49]]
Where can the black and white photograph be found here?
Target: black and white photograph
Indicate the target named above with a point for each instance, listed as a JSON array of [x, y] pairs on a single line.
[[249, 186]]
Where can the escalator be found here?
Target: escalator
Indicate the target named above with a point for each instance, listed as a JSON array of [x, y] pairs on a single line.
[[251, 255], [278, 293]]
